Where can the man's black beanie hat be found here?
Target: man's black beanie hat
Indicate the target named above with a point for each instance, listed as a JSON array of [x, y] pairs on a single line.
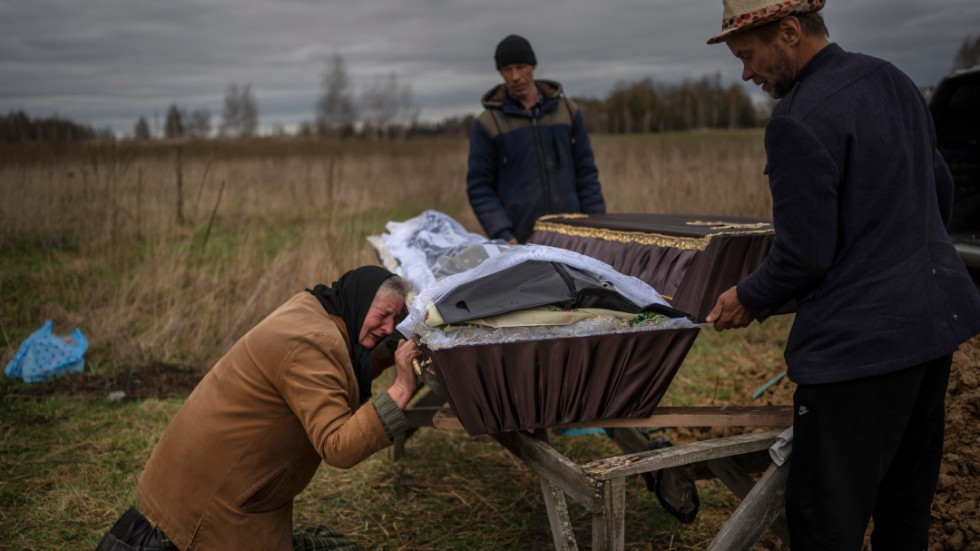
[[514, 49]]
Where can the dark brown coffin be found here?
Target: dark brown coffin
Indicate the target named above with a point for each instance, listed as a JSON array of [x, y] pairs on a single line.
[[554, 382], [688, 259]]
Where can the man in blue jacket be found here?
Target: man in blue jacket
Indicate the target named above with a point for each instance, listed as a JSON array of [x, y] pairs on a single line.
[[861, 199], [529, 152]]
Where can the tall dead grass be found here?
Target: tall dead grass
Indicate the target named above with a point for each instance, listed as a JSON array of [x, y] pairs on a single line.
[[169, 252]]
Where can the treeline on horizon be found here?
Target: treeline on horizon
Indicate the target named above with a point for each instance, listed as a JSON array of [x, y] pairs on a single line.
[[18, 127], [386, 110], [643, 106]]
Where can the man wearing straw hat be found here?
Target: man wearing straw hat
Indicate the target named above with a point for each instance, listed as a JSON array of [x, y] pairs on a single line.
[[861, 199]]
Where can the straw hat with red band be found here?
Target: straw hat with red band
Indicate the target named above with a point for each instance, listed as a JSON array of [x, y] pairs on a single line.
[[745, 14]]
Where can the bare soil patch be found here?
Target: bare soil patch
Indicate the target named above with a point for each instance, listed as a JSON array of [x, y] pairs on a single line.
[[955, 524], [153, 380]]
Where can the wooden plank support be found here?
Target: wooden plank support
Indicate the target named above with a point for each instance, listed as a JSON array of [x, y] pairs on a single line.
[[740, 482], [675, 456], [609, 525], [429, 400], [554, 467], [752, 463], [733, 475], [561, 524], [419, 414], [631, 440], [726, 416], [445, 419], [755, 514], [601, 485], [397, 449]]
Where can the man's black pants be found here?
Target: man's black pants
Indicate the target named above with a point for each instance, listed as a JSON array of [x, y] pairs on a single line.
[[867, 449]]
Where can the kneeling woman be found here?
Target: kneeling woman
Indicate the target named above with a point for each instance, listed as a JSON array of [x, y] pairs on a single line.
[[289, 394]]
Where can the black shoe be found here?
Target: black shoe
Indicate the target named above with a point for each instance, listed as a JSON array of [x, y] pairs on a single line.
[[675, 489]]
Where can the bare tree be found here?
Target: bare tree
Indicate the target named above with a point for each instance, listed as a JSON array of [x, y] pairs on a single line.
[[408, 110], [378, 105], [232, 116], [198, 124], [250, 113], [241, 114], [305, 129], [174, 125], [141, 130], [335, 112], [386, 104]]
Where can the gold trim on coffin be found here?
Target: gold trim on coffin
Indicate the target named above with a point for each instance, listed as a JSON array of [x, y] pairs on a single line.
[[654, 239]]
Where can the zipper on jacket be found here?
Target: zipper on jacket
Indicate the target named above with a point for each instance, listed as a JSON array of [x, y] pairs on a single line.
[[542, 168]]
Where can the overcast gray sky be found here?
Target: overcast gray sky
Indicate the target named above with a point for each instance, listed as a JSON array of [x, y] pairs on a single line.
[[106, 62]]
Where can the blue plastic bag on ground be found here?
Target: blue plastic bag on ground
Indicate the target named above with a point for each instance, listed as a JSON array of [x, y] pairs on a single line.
[[44, 355]]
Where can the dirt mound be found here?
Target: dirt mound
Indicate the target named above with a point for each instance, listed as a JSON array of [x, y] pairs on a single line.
[[955, 525], [153, 380]]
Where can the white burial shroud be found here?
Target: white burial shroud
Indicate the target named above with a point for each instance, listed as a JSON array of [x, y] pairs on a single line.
[[431, 249]]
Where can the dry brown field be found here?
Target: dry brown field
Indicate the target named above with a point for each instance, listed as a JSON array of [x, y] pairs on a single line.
[[172, 250], [165, 253]]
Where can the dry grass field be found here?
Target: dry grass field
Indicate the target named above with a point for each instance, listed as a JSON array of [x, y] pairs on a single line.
[[164, 254]]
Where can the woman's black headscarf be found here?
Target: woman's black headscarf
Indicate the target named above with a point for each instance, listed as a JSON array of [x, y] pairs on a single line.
[[350, 297]]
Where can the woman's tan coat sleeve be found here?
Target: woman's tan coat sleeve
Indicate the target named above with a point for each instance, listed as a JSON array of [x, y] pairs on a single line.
[[318, 383]]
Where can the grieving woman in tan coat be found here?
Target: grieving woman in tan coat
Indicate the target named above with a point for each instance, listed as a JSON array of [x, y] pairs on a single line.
[[294, 391]]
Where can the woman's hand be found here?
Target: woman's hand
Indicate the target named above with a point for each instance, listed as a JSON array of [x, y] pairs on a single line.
[[406, 381]]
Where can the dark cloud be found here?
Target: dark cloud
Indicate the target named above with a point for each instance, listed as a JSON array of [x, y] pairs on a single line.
[[106, 62]]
